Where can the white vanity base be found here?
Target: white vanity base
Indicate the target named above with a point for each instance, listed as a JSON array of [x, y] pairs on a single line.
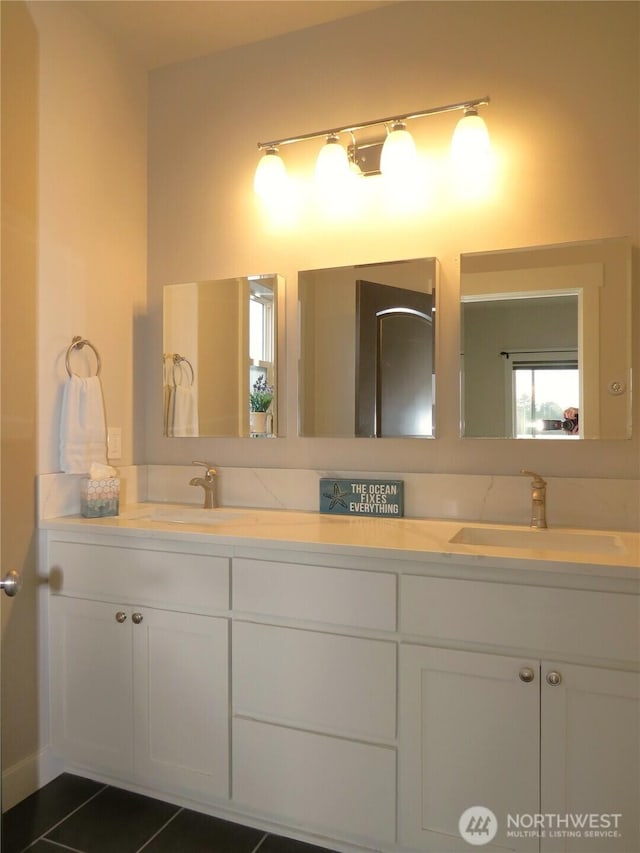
[[356, 696]]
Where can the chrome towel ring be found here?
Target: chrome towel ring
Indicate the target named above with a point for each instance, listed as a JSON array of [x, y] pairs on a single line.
[[177, 361], [78, 343]]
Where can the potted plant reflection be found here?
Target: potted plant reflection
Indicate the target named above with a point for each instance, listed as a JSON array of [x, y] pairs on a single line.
[[260, 399]]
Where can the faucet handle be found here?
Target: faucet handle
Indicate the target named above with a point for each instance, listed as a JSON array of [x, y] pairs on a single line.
[[211, 471], [538, 482]]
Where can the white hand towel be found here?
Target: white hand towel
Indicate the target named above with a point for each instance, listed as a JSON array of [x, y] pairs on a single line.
[[83, 431], [185, 411]]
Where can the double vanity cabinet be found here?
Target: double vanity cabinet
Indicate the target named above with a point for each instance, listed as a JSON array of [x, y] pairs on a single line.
[[359, 695]]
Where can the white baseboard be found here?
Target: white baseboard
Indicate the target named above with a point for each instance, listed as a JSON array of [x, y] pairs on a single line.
[[28, 775]]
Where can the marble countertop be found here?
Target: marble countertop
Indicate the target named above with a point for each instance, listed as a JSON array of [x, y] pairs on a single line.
[[594, 552]]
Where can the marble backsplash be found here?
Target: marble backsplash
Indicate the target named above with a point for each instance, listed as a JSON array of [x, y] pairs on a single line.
[[571, 501]]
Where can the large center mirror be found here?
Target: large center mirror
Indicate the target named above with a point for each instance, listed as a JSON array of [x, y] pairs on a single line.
[[221, 346], [366, 355], [546, 341]]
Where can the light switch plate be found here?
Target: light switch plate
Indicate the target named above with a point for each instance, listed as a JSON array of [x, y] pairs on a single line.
[[114, 442]]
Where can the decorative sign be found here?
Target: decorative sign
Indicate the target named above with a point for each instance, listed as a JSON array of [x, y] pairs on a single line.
[[362, 497]]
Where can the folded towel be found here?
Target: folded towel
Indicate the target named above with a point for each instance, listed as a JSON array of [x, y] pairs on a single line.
[[83, 431], [185, 411]]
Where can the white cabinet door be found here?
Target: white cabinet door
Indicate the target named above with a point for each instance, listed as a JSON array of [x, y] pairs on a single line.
[[469, 736], [590, 758], [143, 693], [181, 701], [92, 683]]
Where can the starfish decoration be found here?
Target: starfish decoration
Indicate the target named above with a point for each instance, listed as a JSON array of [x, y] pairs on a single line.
[[338, 497]]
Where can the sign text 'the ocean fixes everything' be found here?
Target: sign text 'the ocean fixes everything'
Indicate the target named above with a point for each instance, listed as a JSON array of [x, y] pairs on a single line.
[[362, 497]]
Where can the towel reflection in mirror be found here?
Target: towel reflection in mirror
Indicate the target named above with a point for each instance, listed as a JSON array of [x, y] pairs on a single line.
[[180, 397]]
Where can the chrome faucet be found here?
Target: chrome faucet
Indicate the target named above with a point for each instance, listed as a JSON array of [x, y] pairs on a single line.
[[208, 483], [538, 499]]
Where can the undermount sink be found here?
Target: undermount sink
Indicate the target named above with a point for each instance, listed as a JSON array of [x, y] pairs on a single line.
[[543, 539], [194, 515]]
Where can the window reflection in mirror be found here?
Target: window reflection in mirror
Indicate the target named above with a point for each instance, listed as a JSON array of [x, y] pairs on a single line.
[[367, 343], [541, 385], [220, 345], [545, 337]]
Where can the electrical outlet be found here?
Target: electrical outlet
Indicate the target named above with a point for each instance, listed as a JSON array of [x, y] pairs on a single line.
[[114, 442]]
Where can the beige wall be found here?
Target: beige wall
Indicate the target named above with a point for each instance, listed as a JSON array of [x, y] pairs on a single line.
[[73, 262], [220, 344], [327, 382], [563, 78], [92, 215]]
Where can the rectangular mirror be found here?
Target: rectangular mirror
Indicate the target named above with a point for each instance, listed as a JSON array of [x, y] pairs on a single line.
[[367, 350], [546, 341], [220, 345]]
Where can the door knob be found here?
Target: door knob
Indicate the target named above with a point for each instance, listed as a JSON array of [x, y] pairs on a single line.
[[121, 616], [554, 678], [137, 618], [526, 674], [12, 583]]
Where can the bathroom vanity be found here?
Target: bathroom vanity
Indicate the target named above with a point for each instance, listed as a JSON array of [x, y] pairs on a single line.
[[351, 682]]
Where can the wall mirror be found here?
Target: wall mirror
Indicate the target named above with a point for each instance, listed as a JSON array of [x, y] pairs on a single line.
[[221, 349], [546, 341], [366, 350]]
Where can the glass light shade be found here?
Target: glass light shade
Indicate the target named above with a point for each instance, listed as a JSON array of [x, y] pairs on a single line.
[[398, 159], [271, 174], [332, 165], [470, 140]]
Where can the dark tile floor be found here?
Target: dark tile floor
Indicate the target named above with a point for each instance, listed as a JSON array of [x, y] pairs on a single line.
[[76, 814]]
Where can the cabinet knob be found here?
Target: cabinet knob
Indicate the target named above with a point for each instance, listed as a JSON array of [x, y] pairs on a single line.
[[554, 678], [526, 674], [121, 616], [137, 618]]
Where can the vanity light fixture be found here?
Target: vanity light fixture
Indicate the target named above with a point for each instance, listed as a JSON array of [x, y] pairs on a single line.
[[398, 155], [270, 174], [393, 153], [471, 137], [332, 165]]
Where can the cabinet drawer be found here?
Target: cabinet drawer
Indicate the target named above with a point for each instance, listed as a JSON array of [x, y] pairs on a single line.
[[194, 582], [544, 619], [315, 593], [315, 680], [328, 785]]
